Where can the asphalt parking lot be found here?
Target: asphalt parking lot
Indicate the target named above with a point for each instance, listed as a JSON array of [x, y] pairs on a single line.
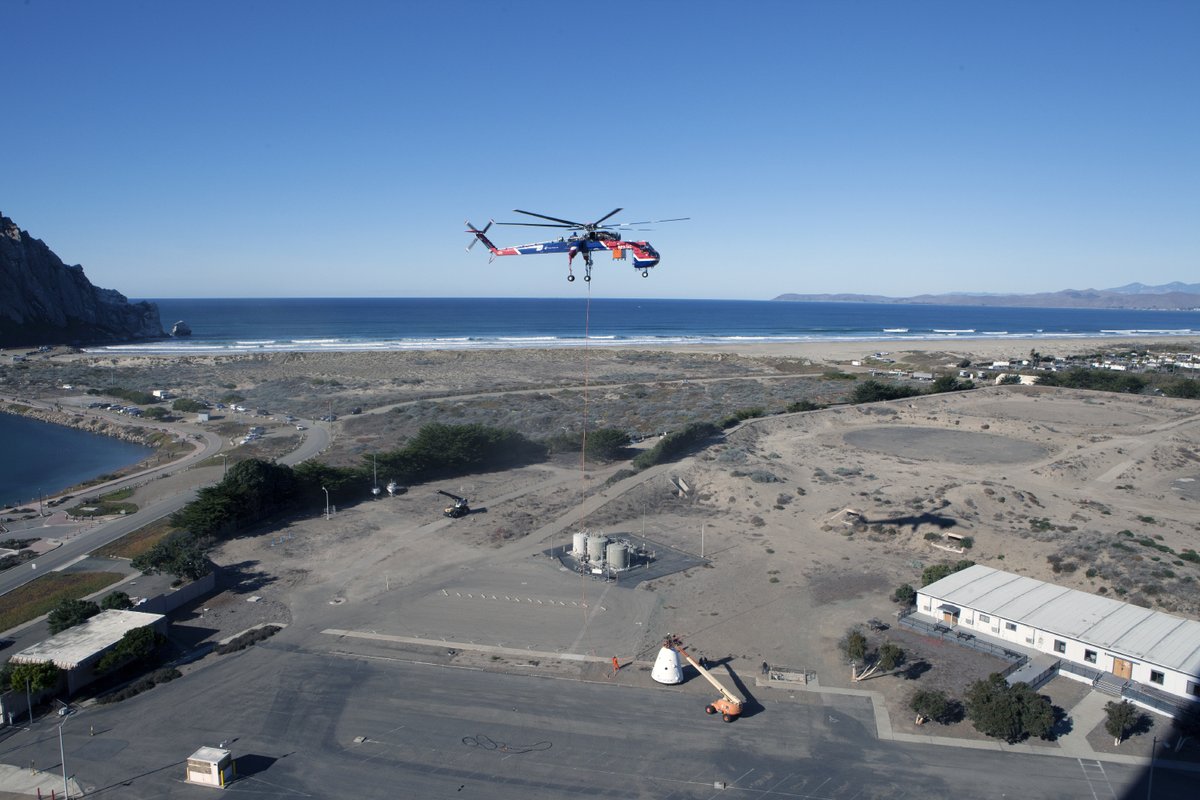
[[314, 723]]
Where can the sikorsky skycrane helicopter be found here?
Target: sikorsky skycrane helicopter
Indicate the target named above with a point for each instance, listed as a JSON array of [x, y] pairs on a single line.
[[582, 238]]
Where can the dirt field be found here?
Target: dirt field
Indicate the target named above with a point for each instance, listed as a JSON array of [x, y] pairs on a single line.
[[1039, 493], [1089, 490]]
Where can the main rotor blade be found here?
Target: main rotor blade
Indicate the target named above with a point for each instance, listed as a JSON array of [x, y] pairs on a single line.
[[540, 225], [648, 222], [556, 219], [606, 216]]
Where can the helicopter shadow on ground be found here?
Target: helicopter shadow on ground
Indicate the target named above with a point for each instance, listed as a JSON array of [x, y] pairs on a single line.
[[916, 520]]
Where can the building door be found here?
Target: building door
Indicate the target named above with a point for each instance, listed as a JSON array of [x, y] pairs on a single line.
[[950, 619], [1122, 668]]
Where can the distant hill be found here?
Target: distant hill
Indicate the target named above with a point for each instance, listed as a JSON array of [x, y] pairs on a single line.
[[1167, 288], [1168, 297], [44, 301]]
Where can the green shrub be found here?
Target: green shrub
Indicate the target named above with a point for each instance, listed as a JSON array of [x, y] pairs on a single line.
[[873, 391], [1104, 380], [117, 600], [187, 405], [1011, 713], [936, 572], [242, 641], [949, 383]]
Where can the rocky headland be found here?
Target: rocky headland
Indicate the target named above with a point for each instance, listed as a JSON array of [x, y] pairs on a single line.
[[47, 302]]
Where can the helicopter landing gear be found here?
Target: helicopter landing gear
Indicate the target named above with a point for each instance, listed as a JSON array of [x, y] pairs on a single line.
[[587, 278], [645, 273], [570, 278]]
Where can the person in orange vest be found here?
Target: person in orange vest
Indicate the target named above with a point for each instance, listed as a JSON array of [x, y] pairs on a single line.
[[616, 664]]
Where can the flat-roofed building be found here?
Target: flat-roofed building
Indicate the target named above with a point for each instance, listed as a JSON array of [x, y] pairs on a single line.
[[77, 649], [1153, 648]]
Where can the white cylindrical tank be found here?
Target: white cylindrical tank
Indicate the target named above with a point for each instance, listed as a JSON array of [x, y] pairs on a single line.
[[595, 547], [667, 667], [617, 555], [579, 545]]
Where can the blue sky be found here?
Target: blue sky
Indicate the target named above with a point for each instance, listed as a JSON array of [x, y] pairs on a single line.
[[319, 149]]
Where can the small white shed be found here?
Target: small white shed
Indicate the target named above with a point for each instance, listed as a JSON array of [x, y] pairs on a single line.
[[211, 766]]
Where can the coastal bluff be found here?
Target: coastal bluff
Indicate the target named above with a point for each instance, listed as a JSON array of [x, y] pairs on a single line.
[[45, 301]]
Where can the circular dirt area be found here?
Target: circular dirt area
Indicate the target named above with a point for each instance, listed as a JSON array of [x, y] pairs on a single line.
[[958, 447]]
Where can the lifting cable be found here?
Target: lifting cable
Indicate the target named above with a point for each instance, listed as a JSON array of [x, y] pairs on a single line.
[[587, 323]]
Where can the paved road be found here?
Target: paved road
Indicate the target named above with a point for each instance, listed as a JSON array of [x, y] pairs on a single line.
[[294, 717], [315, 440]]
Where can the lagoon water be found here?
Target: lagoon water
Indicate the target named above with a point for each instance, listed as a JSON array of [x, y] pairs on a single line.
[[38, 458]]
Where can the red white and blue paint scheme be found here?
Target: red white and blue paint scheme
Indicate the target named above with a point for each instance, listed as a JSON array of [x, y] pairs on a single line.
[[583, 238]]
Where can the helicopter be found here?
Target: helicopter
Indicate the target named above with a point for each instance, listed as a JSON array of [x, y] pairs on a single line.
[[582, 238]]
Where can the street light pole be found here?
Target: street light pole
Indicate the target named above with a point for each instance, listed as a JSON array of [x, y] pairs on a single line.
[[62, 755], [224, 464], [326, 502]]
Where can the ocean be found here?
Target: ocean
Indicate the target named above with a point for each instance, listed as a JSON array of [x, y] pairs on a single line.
[[328, 324], [41, 459]]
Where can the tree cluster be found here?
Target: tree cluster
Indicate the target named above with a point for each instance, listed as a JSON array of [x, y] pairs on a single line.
[[676, 444], [1188, 388], [182, 554], [873, 391], [136, 645], [116, 600], [134, 396], [603, 444], [857, 647], [70, 613], [443, 451], [1012, 713], [934, 704], [1104, 380], [188, 405], [35, 677], [251, 491], [949, 383]]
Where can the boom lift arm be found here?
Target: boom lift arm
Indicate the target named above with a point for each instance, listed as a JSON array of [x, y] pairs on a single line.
[[460, 508], [730, 705]]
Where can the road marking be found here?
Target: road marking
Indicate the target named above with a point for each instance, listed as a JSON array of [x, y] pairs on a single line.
[[441, 643], [1090, 769], [70, 563]]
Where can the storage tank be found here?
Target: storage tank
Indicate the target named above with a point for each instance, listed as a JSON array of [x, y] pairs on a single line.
[[595, 547], [579, 545], [667, 668], [617, 555]]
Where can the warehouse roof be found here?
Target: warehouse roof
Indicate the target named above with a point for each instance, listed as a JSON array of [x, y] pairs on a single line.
[[69, 649], [1124, 629]]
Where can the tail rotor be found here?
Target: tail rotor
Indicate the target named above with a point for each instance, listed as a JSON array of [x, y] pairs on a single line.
[[478, 235]]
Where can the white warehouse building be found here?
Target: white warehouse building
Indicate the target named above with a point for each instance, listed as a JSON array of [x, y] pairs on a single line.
[[1152, 648]]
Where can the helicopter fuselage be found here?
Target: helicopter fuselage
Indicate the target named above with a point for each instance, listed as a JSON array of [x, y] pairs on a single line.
[[644, 254]]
